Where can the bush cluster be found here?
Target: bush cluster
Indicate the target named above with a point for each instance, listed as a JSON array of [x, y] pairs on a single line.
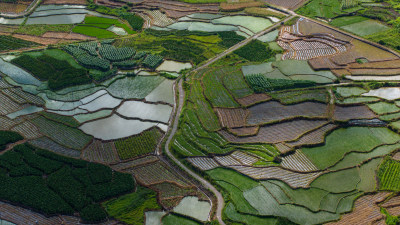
[[182, 51], [8, 137], [255, 51], [59, 73], [53, 184]]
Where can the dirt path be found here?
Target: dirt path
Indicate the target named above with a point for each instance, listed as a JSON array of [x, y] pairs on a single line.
[[241, 44], [205, 183]]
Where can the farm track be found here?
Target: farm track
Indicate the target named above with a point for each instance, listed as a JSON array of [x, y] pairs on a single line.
[[178, 110], [28, 10], [204, 182], [241, 44]]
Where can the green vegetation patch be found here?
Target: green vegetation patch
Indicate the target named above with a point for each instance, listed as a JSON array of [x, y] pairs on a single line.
[[53, 184], [232, 214], [297, 96], [97, 27], [255, 51], [382, 108], [347, 20], [40, 29], [345, 140], [203, 109], [389, 175], [214, 89], [338, 182], [62, 134], [366, 27], [349, 91], [130, 208], [8, 137], [173, 219], [93, 31], [59, 73], [11, 43], [260, 84], [135, 21], [327, 9], [67, 120], [141, 144]]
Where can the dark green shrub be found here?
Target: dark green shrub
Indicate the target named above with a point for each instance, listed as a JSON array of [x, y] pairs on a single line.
[[255, 51], [135, 21], [93, 213], [259, 83], [8, 137]]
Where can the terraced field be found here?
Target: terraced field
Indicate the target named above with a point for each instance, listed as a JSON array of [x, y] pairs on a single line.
[[199, 112]]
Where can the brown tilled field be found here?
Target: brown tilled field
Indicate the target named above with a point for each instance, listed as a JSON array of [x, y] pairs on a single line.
[[282, 132], [232, 117], [244, 131], [314, 137], [353, 112], [18, 7], [101, 152], [275, 111], [365, 211], [253, 99]]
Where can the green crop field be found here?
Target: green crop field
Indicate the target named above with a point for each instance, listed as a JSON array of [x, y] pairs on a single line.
[[135, 146], [342, 141], [388, 175]]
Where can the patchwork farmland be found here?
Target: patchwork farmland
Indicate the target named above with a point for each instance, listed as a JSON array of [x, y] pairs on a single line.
[[199, 112]]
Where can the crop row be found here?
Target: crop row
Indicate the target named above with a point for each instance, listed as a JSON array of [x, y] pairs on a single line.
[[27, 129], [114, 54], [156, 173], [141, 144], [101, 152], [64, 135], [293, 179], [10, 43], [203, 109], [389, 175], [281, 132], [48, 144], [215, 91], [261, 84], [152, 61], [8, 105]]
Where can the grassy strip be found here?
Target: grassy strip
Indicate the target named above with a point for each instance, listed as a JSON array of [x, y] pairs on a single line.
[[39, 29]]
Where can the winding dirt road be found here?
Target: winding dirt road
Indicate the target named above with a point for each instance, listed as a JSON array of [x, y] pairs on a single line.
[[241, 44], [204, 182], [178, 110]]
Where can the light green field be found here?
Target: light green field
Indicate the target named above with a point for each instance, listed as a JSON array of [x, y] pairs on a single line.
[[366, 27], [345, 140]]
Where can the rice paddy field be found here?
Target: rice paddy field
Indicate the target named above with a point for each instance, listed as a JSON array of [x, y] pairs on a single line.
[[199, 112]]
